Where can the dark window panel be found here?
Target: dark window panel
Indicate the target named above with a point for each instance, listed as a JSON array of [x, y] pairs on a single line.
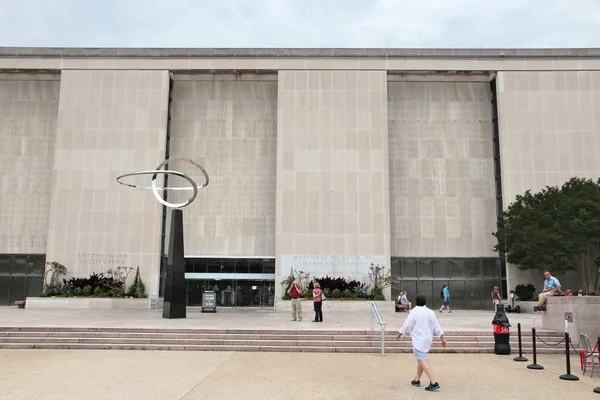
[[396, 267], [424, 268], [473, 267], [200, 265], [457, 294], [440, 268], [268, 266], [5, 264], [213, 265], [228, 265], [18, 289], [491, 268]]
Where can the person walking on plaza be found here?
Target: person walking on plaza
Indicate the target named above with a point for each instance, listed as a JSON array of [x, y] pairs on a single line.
[[318, 302], [496, 298], [421, 324], [446, 298], [295, 292], [551, 288]]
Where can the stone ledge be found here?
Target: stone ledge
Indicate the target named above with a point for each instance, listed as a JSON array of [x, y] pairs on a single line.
[[87, 303], [586, 316]]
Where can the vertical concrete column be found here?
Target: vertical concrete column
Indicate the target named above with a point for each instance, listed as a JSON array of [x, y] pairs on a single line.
[[110, 122], [332, 173]]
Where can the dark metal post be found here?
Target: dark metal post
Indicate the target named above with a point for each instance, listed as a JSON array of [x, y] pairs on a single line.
[[568, 376], [535, 365], [520, 358], [175, 299], [597, 390]]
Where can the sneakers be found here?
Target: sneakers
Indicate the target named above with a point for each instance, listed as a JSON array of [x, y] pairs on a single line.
[[415, 383], [433, 387]]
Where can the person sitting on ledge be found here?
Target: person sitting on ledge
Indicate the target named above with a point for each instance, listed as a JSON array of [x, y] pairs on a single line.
[[551, 288], [568, 292]]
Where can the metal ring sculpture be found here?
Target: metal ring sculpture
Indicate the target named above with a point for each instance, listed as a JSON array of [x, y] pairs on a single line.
[[155, 189]]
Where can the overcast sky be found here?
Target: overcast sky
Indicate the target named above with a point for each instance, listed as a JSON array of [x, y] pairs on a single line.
[[300, 23]]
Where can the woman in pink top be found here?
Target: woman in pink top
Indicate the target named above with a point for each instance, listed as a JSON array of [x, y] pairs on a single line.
[[318, 302]]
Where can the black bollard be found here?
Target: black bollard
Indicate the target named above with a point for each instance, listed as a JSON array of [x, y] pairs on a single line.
[[520, 358], [535, 365], [568, 376]]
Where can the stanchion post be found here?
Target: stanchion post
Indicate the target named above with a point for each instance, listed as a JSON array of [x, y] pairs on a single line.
[[520, 358], [568, 376], [597, 390], [535, 365]]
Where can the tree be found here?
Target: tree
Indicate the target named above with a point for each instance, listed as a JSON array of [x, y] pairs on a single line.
[[381, 279], [137, 288], [556, 229]]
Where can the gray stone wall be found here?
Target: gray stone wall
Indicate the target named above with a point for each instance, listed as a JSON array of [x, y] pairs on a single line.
[[110, 123], [228, 124], [549, 123], [332, 172], [28, 117], [441, 168]]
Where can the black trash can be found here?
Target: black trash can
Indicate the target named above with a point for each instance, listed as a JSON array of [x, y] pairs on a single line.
[[501, 332]]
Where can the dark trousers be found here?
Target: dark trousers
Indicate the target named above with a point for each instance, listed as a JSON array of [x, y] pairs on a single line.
[[318, 311]]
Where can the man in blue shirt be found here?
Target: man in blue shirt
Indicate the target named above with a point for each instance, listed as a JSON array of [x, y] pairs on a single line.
[[551, 288]]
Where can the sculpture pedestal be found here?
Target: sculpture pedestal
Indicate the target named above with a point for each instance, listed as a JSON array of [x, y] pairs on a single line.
[[174, 305]]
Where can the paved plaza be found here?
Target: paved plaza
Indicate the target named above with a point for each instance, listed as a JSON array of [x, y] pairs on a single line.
[[166, 375], [226, 318], [173, 375]]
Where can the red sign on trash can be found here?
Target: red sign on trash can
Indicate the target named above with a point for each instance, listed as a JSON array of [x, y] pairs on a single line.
[[501, 330]]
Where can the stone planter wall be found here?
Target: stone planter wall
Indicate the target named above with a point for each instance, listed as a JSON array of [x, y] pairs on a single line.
[[586, 316], [93, 303]]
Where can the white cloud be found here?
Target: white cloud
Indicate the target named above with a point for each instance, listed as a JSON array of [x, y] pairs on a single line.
[[301, 23]]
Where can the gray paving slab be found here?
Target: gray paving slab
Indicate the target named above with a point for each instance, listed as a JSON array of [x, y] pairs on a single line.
[[150, 375], [244, 319]]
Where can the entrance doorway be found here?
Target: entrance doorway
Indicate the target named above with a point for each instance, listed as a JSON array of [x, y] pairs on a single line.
[[232, 293], [237, 282]]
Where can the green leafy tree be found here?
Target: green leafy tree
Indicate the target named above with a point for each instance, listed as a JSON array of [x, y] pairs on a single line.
[[556, 229]]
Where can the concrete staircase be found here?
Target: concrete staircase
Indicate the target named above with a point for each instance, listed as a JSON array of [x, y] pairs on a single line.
[[329, 341]]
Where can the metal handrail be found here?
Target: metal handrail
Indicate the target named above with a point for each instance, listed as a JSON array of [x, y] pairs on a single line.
[[376, 316]]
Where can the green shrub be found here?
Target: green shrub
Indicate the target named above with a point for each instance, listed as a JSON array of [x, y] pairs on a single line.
[[336, 294], [137, 288], [87, 291], [348, 294], [378, 294], [327, 292], [98, 292], [525, 292]]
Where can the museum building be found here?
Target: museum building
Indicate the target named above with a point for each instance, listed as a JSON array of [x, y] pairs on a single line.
[[321, 160]]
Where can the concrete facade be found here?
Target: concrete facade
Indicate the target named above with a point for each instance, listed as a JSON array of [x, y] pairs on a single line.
[[332, 181], [326, 160], [549, 123], [441, 167], [28, 117], [110, 122], [229, 126]]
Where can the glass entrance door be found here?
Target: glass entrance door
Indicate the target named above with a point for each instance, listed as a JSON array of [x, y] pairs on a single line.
[[232, 293]]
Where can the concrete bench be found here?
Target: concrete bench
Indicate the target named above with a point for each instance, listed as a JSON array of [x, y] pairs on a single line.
[[401, 307], [20, 303]]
